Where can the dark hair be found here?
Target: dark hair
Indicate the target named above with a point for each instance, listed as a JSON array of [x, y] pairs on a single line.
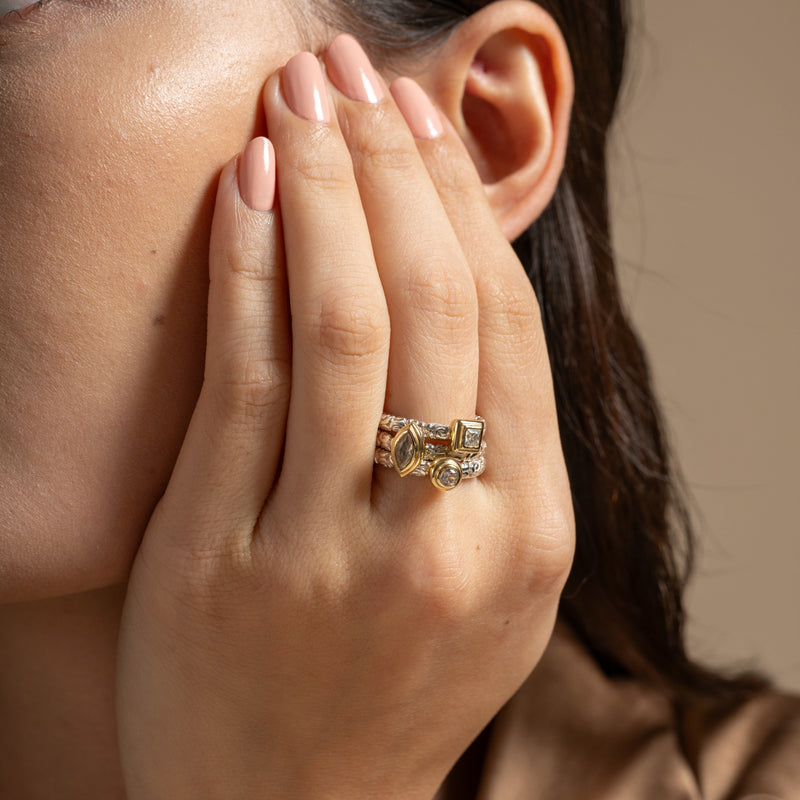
[[634, 537]]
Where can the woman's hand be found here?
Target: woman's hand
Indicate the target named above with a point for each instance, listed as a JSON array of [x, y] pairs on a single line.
[[298, 623]]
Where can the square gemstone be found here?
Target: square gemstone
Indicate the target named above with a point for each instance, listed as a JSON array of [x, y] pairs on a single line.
[[472, 438], [467, 436]]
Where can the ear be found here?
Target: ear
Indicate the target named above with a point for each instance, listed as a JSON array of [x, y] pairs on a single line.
[[505, 81]]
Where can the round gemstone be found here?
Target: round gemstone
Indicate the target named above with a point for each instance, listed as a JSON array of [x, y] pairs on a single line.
[[449, 477], [446, 474]]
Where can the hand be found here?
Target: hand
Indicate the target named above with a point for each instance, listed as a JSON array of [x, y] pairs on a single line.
[[299, 624]]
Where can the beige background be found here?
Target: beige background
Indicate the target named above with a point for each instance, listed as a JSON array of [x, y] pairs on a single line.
[[708, 229]]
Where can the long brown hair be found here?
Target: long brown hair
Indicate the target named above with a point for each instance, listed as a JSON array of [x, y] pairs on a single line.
[[635, 545]]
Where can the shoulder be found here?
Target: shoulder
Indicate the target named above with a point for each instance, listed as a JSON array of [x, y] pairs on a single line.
[[573, 732], [752, 748]]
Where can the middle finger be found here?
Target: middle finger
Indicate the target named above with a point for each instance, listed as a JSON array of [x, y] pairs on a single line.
[[429, 288], [340, 324]]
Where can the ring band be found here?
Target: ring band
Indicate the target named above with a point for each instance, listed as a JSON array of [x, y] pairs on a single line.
[[445, 453], [465, 435], [470, 468]]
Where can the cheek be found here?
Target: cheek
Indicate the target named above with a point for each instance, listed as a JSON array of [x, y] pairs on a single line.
[[106, 195]]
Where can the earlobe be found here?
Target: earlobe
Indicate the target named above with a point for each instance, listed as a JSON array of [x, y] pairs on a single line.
[[505, 81]]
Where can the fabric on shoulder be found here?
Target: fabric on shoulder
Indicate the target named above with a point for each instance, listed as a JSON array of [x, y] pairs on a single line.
[[571, 732]]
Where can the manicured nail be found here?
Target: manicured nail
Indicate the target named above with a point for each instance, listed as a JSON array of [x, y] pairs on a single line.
[[422, 117], [350, 70], [304, 88], [257, 174]]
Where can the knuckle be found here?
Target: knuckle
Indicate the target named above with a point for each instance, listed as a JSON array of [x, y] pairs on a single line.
[[554, 560], [390, 154], [544, 553], [323, 177], [444, 597], [511, 310], [445, 291], [318, 574], [344, 330], [248, 261], [460, 186], [377, 143], [247, 250], [436, 580], [329, 582], [252, 385], [207, 576], [249, 254], [453, 184]]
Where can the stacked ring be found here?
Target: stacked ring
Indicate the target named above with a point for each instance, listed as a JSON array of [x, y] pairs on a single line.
[[445, 453]]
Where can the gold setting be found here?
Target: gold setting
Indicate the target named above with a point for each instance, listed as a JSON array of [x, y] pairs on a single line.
[[467, 436], [408, 436], [447, 454], [445, 474]]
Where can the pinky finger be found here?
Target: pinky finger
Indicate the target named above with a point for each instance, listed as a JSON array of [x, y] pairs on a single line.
[[231, 452]]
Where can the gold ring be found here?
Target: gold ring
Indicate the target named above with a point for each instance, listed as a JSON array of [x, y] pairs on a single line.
[[445, 453]]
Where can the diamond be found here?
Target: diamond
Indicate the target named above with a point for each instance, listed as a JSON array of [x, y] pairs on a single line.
[[449, 477], [467, 436], [472, 439], [446, 474], [408, 448], [404, 452]]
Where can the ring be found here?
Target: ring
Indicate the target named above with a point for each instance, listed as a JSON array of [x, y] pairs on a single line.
[[445, 453]]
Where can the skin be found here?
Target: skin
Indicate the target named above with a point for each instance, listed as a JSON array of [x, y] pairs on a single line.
[[103, 326], [106, 252]]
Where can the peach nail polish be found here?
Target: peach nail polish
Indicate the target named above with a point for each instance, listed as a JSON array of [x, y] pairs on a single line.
[[304, 88], [350, 70], [257, 174], [421, 115]]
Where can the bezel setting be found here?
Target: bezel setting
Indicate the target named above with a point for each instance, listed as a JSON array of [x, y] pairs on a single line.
[[402, 464], [445, 474], [467, 436]]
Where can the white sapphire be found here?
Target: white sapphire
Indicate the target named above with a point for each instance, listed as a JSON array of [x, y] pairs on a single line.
[[404, 450], [449, 477], [407, 449], [446, 474], [472, 438]]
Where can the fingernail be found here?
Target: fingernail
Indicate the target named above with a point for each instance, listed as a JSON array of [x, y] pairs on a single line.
[[350, 70], [421, 115], [257, 174], [304, 88]]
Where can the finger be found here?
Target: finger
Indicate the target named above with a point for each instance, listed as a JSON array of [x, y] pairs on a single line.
[[340, 325], [514, 385], [232, 448], [430, 292]]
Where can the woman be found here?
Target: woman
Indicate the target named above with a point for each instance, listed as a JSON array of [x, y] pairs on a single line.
[[209, 590]]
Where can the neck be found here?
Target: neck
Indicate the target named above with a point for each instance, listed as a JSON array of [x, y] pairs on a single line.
[[57, 672]]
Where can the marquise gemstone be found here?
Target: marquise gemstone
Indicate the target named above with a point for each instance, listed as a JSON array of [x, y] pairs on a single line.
[[408, 447], [404, 450]]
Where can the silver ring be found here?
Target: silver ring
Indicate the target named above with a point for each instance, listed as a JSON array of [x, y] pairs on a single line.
[[464, 435], [445, 453]]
